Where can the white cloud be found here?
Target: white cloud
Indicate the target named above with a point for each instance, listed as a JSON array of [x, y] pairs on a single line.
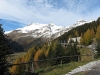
[[42, 11]]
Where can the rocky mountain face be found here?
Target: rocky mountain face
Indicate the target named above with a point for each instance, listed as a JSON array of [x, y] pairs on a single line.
[[36, 33], [37, 30]]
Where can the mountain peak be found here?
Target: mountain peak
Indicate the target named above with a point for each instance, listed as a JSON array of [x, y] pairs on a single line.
[[81, 22], [33, 24], [41, 30], [46, 30]]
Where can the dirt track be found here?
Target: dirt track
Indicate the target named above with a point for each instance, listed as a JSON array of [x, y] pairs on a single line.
[[94, 71]]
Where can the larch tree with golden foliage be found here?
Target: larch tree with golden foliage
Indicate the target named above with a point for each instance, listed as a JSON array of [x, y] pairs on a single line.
[[30, 54], [38, 56], [92, 33], [17, 69], [87, 37]]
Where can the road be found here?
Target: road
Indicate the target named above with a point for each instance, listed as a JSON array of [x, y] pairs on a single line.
[[94, 71], [92, 67]]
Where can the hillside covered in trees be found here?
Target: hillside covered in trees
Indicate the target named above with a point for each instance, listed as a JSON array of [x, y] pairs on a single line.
[[89, 33], [23, 44], [53, 50], [79, 31]]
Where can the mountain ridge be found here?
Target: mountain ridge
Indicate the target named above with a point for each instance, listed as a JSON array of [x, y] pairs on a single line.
[[37, 34], [38, 30]]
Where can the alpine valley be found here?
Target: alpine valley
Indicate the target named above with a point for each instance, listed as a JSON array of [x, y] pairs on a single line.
[[22, 39]]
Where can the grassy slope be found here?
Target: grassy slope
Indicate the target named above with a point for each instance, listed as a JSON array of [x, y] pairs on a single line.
[[65, 68], [61, 69], [15, 56]]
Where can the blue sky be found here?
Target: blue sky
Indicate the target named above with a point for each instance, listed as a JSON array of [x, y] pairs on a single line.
[[19, 13]]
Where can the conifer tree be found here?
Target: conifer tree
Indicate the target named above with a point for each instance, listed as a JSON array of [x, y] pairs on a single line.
[[92, 33], [98, 34], [76, 33], [98, 50], [81, 40], [98, 41], [4, 53], [72, 50]]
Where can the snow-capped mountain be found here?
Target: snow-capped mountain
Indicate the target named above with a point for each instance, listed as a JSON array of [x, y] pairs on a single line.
[[81, 22], [37, 30], [37, 34]]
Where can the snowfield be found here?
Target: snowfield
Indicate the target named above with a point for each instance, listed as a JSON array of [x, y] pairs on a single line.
[[86, 67], [38, 30]]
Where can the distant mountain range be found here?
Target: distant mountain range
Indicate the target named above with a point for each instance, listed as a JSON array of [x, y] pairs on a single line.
[[36, 33], [37, 30]]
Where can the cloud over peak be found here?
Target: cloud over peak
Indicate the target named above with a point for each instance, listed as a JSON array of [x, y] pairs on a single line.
[[60, 12]]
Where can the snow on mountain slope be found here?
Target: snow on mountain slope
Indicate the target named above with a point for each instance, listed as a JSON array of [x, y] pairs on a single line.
[[45, 30], [40, 30], [7, 32], [81, 22]]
